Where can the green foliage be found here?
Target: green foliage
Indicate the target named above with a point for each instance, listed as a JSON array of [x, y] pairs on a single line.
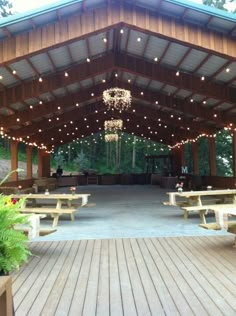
[[5, 8], [13, 246], [224, 154], [126, 156], [203, 156], [220, 4], [81, 162]]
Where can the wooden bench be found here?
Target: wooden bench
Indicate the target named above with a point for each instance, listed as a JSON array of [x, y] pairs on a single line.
[[55, 213], [201, 209], [43, 231], [215, 226], [186, 202]]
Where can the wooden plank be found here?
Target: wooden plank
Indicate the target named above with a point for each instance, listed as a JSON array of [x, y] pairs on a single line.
[[103, 295], [158, 280], [216, 247], [35, 248], [90, 302], [154, 302], [26, 296], [191, 281], [116, 307], [156, 276], [172, 277], [48, 278], [219, 259], [137, 287], [206, 279], [128, 301], [71, 282], [79, 295], [55, 295]]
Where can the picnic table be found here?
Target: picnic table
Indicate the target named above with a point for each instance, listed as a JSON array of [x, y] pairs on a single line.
[[52, 204], [201, 201], [196, 197]]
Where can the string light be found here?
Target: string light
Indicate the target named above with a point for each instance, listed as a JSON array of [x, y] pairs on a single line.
[[113, 125], [116, 98]]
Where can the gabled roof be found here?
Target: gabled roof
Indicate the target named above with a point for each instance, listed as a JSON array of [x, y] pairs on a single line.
[[177, 58], [190, 12]]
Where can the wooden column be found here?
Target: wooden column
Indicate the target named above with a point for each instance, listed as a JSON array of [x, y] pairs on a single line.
[[6, 307], [177, 160], [195, 158], [29, 150], [14, 159], [234, 153], [212, 155], [43, 164], [182, 155]]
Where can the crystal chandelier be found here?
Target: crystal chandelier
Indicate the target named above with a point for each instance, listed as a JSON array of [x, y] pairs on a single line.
[[113, 125], [111, 138], [116, 98]]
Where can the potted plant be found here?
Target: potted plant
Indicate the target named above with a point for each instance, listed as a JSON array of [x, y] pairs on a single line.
[[13, 244]]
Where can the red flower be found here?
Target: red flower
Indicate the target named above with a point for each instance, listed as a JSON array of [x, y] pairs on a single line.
[[179, 185]]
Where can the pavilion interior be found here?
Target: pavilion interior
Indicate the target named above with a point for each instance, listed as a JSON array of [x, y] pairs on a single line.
[[179, 65], [178, 59]]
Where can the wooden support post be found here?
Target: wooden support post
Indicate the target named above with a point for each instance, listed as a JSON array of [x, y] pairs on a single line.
[[212, 155], [182, 155], [234, 153], [43, 164], [14, 159], [195, 158], [6, 307], [29, 162], [177, 160]]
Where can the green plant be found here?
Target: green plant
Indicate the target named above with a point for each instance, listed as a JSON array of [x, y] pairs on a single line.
[[13, 244]]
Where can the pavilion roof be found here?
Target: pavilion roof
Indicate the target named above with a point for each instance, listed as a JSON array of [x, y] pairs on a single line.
[[180, 44]]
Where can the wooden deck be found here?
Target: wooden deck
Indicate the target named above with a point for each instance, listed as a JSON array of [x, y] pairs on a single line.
[[153, 276]]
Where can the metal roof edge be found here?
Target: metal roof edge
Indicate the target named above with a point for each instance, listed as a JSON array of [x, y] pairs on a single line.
[[205, 9], [18, 17]]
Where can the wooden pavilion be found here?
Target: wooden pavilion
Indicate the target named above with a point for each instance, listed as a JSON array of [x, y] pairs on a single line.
[[178, 59]]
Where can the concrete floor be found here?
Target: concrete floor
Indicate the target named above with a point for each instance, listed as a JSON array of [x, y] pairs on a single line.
[[124, 211]]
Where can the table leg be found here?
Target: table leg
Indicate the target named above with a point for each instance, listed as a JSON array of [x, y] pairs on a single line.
[[185, 214], [34, 221], [172, 199], [202, 216], [55, 220]]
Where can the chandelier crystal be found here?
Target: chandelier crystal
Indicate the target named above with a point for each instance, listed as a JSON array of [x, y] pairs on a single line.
[[111, 138], [113, 125], [116, 98]]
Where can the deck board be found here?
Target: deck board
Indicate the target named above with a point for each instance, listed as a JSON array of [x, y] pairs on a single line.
[[103, 295], [146, 276]]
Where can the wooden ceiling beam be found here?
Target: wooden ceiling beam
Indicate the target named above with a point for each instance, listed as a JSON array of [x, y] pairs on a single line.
[[125, 63], [173, 104], [185, 81], [132, 127], [155, 120]]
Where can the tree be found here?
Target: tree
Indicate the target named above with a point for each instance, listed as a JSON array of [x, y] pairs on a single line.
[[227, 5], [5, 8]]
